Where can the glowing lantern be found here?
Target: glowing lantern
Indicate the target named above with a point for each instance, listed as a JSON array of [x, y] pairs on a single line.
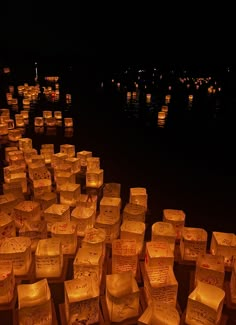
[[210, 269], [63, 178], [26, 210], [111, 189], [16, 158], [122, 296], [110, 207], [164, 231], [94, 178], [16, 250], [25, 114], [134, 212], [205, 304], [10, 124], [47, 114], [47, 153], [124, 256], [176, 218], [111, 227], [19, 120], [7, 283], [83, 155], [56, 212], [138, 195], [48, 258], [160, 314], [193, 243], [88, 201], [68, 149], [95, 237], [58, 115], [35, 230], [58, 158], [14, 188], [7, 225], [161, 115], [82, 300], [66, 232], [158, 254], [8, 202], [28, 153], [35, 169], [38, 121], [3, 129], [164, 108], [148, 98], [25, 143], [223, 244], [34, 303], [133, 230], [93, 163], [7, 150], [14, 135], [84, 218], [232, 286], [74, 164], [69, 194]]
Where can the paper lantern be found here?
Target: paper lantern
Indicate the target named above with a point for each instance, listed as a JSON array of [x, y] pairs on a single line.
[[95, 237], [193, 243], [69, 194], [134, 230], [111, 227], [58, 115], [160, 285], [26, 210], [122, 296], [47, 114], [161, 115], [159, 314], [66, 232], [74, 164], [164, 231], [25, 114], [138, 195], [210, 269], [10, 124], [158, 254], [68, 149], [34, 303], [224, 244], [48, 258], [16, 250], [25, 144], [19, 120], [47, 154], [94, 178], [68, 122], [14, 188], [5, 112], [41, 186], [134, 212], [58, 158], [46, 200], [12, 171], [8, 202], [83, 155], [177, 218], [16, 158], [3, 129], [124, 256], [111, 189], [7, 225], [63, 178], [28, 153], [205, 304], [110, 207], [84, 218], [88, 201], [38, 159], [38, 121], [35, 230], [35, 169], [7, 150], [56, 212], [7, 283], [88, 261], [93, 163], [82, 301]]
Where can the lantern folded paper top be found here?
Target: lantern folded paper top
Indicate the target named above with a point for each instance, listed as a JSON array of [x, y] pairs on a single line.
[[134, 212], [224, 244], [67, 233], [84, 218], [26, 210], [35, 230], [56, 212], [177, 218], [138, 195], [69, 193], [164, 231]]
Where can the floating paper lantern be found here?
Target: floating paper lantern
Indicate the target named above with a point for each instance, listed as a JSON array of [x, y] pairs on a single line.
[[161, 115], [158, 254], [16, 250], [25, 114], [177, 218], [10, 123], [28, 153], [138, 195], [63, 178], [26, 210], [68, 149], [58, 115], [11, 172], [88, 201], [7, 225], [66, 232], [50, 121], [16, 157], [58, 158], [34, 303], [133, 230], [25, 144], [35, 230], [8, 202], [56, 212], [84, 217], [7, 283], [82, 301], [224, 244], [3, 129], [47, 114], [74, 164], [122, 296], [93, 163], [7, 150], [14, 135], [205, 304], [69, 194], [110, 206], [111, 189], [41, 186], [19, 120], [38, 121], [47, 153], [124, 256], [48, 258], [14, 188], [148, 98], [210, 269], [38, 168], [193, 243], [111, 227], [95, 237], [134, 212], [68, 122], [164, 231], [164, 108], [94, 178], [83, 155]]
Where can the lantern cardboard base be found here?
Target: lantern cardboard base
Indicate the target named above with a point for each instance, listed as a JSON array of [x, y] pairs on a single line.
[[128, 321], [63, 316], [228, 298], [223, 320], [7, 311]]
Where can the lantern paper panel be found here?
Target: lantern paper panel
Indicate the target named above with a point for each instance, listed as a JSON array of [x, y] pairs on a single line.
[[3, 129], [83, 155], [35, 230], [16, 158], [205, 304], [193, 243], [124, 256], [210, 269], [25, 144], [110, 207], [14, 135], [41, 186], [16, 250], [47, 154], [111, 227], [82, 300], [7, 225], [94, 178], [48, 258], [34, 303], [68, 149], [38, 121], [84, 218], [224, 244], [40, 172], [112, 189], [74, 164], [88, 201], [176, 218], [138, 195], [35, 169], [122, 296], [8, 202], [58, 158], [66, 232], [9, 149], [95, 237], [158, 254], [164, 231], [134, 230], [7, 283], [11, 172], [134, 212], [38, 159], [46, 200], [14, 188], [93, 163], [26, 210], [161, 314], [69, 194], [19, 177], [64, 178], [28, 153], [88, 261], [160, 285], [56, 212], [232, 284]]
